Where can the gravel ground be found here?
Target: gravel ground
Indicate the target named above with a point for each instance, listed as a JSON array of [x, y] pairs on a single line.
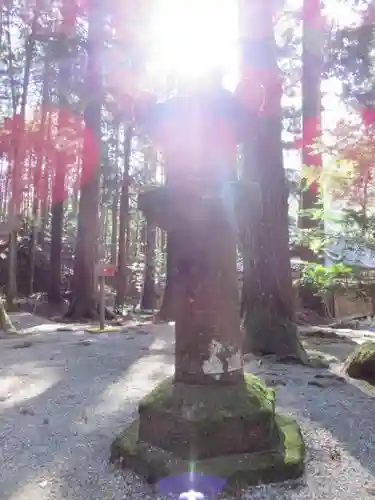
[[64, 398]]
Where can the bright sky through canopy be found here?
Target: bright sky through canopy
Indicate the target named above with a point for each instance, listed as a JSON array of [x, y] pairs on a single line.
[[192, 36]]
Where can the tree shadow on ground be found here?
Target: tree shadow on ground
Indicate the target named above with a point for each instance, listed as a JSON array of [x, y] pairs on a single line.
[[329, 341], [349, 418], [329, 401], [78, 391], [61, 404]]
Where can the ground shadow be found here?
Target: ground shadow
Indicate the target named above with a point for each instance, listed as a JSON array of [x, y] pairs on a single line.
[[328, 398], [92, 385], [62, 401]]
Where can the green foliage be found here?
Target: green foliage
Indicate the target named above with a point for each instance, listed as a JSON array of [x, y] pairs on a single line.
[[355, 225], [325, 279]]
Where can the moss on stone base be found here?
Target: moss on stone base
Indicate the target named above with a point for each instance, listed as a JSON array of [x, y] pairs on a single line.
[[285, 462], [209, 419], [361, 363], [215, 402], [227, 431]]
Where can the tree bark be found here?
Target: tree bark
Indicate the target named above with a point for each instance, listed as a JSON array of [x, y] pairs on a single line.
[[17, 143], [5, 322], [115, 205], [84, 301], [166, 312], [312, 66], [114, 214], [167, 308], [148, 297], [58, 192], [122, 274], [37, 177], [267, 295]]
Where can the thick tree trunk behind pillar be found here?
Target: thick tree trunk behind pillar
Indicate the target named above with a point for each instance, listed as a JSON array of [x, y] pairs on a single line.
[[267, 298]]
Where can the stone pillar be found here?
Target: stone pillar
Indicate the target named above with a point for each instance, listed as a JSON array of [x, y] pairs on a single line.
[[208, 335], [210, 414], [201, 221]]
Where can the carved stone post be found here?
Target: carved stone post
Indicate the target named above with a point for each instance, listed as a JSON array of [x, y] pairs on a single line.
[[210, 413]]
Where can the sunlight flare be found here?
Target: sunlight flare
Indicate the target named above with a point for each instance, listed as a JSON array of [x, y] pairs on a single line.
[[194, 36]]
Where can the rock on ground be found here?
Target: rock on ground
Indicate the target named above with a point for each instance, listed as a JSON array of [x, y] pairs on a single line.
[[65, 395], [361, 363]]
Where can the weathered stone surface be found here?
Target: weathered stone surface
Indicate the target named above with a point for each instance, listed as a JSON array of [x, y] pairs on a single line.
[[206, 288], [285, 461], [210, 416], [199, 133], [207, 421], [166, 205], [234, 435], [361, 363]]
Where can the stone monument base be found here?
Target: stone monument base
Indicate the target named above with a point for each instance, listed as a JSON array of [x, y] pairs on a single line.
[[231, 432]]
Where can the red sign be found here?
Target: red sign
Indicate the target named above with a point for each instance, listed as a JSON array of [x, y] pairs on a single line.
[[105, 269]]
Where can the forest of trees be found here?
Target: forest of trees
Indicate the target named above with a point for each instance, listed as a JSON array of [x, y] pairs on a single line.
[[74, 157]]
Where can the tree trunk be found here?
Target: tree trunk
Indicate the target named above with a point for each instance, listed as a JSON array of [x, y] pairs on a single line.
[[44, 215], [122, 274], [5, 322], [38, 176], [102, 230], [84, 300], [58, 188], [312, 65], [45, 181], [148, 293], [267, 295], [114, 231], [17, 143], [75, 202], [167, 308], [115, 205]]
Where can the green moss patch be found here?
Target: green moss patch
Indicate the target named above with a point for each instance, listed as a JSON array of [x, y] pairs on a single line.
[[286, 461], [243, 413], [361, 363], [213, 402]]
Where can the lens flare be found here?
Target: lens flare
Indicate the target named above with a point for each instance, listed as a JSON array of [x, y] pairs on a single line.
[[191, 495], [191, 486]]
